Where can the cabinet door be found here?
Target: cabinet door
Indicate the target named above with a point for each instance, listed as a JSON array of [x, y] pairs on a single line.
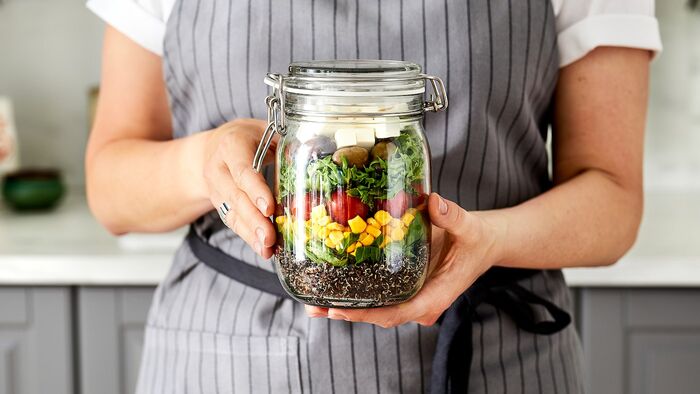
[[111, 337], [35, 340], [641, 341]]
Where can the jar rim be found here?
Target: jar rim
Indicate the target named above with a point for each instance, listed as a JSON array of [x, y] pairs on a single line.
[[352, 68], [351, 78]]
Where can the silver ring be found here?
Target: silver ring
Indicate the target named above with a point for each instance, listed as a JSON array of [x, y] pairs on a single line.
[[223, 210]]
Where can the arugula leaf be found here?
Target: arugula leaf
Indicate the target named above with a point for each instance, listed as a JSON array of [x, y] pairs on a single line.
[[287, 180], [351, 239], [323, 175], [416, 232], [320, 253], [367, 253]]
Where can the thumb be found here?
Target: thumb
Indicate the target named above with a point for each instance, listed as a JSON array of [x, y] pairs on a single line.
[[448, 215]]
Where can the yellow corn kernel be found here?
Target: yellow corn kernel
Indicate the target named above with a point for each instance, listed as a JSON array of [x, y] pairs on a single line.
[[395, 223], [323, 221], [280, 219], [346, 234], [366, 240], [407, 218], [357, 224], [353, 253], [374, 231], [308, 223], [352, 248], [333, 226], [383, 217], [373, 222], [397, 234], [318, 212], [315, 228], [323, 232], [412, 211], [329, 242], [385, 242], [335, 236], [307, 237]]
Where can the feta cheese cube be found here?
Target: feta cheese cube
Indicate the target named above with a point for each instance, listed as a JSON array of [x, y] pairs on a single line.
[[365, 137], [387, 127], [345, 137]]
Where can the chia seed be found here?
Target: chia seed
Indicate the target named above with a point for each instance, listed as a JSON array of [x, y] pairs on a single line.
[[364, 285]]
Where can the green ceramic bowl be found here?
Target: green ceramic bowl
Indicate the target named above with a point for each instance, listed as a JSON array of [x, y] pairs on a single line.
[[33, 189]]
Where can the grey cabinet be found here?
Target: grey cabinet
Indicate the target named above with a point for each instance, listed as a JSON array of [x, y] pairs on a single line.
[[88, 339], [35, 340], [641, 341], [111, 322]]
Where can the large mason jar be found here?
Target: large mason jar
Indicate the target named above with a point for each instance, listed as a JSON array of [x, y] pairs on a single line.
[[352, 180]]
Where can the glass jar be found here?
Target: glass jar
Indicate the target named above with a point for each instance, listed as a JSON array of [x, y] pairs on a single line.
[[352, 180]]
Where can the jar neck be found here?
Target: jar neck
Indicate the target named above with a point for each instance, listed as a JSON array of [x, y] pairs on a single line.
[[353, 106]]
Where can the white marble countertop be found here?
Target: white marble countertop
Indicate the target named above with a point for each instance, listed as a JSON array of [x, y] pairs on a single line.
[[68, 247]]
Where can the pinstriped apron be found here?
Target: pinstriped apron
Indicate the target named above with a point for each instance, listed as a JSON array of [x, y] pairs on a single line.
[[207, 333]]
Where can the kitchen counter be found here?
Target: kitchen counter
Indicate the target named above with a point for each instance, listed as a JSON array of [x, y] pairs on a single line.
[[68, 247]]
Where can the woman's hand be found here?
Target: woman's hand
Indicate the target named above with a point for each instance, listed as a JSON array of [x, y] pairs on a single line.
[[464, 246], [230, 177]]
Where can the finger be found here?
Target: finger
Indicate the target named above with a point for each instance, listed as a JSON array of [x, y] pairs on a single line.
[[315, 311], [425, 308], [246, 221], [386, 317], [252, 183], [448, 215]]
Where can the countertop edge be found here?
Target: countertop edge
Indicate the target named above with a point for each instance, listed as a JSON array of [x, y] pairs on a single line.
[[150, 269]]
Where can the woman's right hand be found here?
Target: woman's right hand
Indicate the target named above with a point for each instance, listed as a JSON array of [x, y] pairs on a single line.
[[230, 177]]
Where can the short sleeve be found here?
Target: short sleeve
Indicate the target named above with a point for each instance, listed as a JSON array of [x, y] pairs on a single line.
[[583, 25], [143, 21]]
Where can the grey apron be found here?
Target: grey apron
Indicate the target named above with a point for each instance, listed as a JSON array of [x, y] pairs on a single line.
[[207, 333]]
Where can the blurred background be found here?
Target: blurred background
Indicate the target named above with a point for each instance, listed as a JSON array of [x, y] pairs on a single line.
[[73, 299]]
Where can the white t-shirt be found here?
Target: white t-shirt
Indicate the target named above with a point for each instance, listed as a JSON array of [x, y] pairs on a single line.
[[582, 25]]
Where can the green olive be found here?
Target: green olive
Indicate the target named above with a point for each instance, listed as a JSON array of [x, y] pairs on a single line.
[[383, 149], [355, 156]]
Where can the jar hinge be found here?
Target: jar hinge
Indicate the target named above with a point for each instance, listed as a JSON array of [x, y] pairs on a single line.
[[438, 98], [275, 120]]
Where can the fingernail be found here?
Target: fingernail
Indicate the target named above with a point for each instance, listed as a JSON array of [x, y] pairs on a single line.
[[258, 248], [442, 206], [260, 234], [262, 205]]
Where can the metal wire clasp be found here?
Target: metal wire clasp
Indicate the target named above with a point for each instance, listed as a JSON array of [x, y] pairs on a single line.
[[275, 120], [438, 98]]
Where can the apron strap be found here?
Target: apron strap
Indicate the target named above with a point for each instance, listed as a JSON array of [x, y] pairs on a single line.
[[453, 353], [235, 269]]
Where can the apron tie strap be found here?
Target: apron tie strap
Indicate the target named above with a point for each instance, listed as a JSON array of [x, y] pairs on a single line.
[[453, 353]]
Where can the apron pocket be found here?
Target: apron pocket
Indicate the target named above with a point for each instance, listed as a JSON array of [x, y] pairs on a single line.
[[204, 362]]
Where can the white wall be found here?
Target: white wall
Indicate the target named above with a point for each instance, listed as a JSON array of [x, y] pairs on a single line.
[[49, 57], [673, 137], [50, 53]]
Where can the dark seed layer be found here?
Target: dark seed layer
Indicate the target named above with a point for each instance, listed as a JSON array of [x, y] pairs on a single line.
[[354, 286]]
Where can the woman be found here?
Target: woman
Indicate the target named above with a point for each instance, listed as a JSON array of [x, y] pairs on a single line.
[[176, 130]]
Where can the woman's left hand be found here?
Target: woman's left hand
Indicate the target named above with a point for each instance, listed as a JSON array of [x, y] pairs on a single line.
[[464, 246]]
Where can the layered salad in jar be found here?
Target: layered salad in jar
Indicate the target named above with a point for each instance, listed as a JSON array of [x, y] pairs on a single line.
[[352, 221]]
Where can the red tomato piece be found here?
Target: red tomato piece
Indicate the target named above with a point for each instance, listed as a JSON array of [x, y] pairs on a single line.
[[306, 205], [397, 205], [421, 197], [343, 207]]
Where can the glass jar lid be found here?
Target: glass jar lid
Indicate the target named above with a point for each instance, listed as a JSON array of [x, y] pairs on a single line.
[[352, 78]]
